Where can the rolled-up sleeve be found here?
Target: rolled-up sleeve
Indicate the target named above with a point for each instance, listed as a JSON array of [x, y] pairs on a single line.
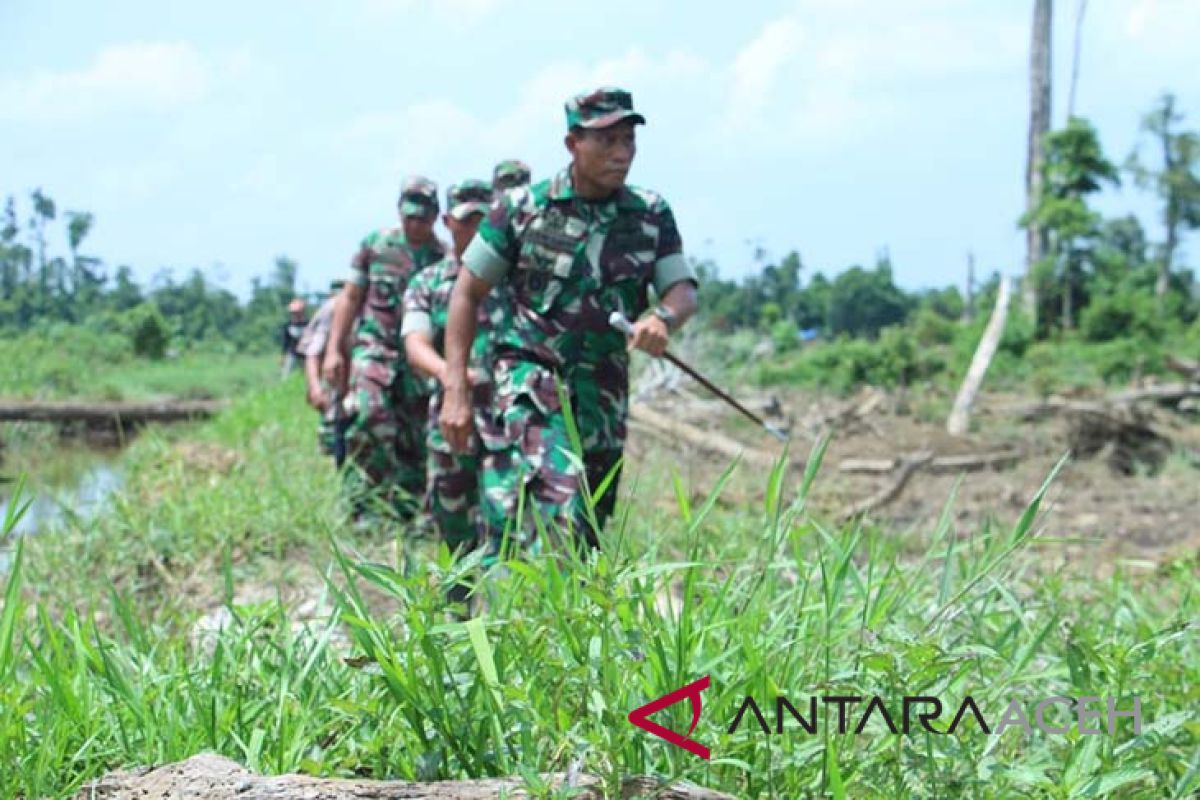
[[670, 266]]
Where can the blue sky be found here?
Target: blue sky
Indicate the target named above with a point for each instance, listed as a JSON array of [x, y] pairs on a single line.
[[219, 134]]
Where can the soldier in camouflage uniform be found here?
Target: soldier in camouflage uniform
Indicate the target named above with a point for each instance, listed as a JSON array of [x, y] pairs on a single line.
[[385, 437], [312, 347], [510, 174], [570, 250], [452, 498]]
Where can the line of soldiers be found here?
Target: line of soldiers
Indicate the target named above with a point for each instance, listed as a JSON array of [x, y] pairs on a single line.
[[484, 382]]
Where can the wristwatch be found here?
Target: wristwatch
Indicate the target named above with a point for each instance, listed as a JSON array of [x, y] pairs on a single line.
[[667, 316]]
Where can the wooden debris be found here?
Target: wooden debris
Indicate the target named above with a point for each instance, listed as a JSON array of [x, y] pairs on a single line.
[[908, 467], [1187, 367], [213, 777], [960, 415], [99, 413], [663, 426], [868, 466], [940, 464], [1169, 394]]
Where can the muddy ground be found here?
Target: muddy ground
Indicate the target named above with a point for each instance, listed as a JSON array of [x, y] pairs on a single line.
[[1113, 508]]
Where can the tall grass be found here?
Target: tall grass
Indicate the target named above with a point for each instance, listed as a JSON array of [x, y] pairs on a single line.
[[84, 365], [766, 600]]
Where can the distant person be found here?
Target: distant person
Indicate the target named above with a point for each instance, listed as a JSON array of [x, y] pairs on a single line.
[[386, 435], [289, 336], [569, 251], [312, 346], [510, 174]]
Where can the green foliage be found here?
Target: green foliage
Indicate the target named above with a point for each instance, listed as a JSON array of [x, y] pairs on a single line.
[[931, 328], [147, 330], [1122, 314], [773, 600], [1177, 180], [862, 303], [36, 286]]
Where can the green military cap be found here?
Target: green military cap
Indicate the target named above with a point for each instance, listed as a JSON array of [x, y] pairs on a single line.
[[468, 197], [418, 197], [510, 174], [601, 108]]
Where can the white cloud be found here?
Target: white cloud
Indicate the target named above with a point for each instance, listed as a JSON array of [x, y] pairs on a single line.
[[756, 68], [441, 131], [825, 68], [139, 76], [456, 11]]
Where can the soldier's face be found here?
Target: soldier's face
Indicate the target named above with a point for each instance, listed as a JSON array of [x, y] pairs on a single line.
[[418, 230], [462, 231], [603, 157]]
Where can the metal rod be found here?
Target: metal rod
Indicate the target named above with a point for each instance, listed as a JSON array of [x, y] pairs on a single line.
[[618, 321]]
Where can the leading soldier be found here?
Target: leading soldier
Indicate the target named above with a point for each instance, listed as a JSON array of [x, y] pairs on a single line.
[[570, 250]]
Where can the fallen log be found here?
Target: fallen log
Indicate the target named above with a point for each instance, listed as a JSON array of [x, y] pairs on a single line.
[[1187, 367], [101, 413], [709, 441], [1166, 393], [868, 466], [939, 464], [212, 777], [908, 467], [975, 461]]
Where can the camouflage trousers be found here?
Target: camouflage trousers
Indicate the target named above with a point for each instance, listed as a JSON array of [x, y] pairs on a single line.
[[533, 485], [452, 499], [385, 438]]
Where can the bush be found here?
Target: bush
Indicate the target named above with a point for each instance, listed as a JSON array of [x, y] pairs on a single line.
[[931, 328], [1122, 314], [147, 331]]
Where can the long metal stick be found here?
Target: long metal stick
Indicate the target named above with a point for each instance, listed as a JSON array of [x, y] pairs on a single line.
[[618, 321]]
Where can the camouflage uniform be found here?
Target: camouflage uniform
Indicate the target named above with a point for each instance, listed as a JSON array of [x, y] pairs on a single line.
[[510, 174], [385, 437], [312, 345], [452, 497], [566, 264]]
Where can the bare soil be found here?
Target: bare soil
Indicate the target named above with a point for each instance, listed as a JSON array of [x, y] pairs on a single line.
[[1141, 519]]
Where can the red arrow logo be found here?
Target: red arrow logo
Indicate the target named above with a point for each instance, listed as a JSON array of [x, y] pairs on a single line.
[[641, 717]]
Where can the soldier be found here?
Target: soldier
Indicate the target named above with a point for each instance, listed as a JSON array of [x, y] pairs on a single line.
[[510, 174], [312, 347], [385, 437], [289, 337], [571, 250], [452, 498]]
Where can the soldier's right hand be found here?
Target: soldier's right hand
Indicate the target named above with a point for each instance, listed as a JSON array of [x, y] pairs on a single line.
[[318, 398], [456, 420], [333, 370]]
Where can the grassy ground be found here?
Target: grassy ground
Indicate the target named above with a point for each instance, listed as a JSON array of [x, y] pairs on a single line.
[[99, 671], [86, 366]]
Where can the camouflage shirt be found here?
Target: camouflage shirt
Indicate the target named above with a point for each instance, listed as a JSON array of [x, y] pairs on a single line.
[[567, 263], [383, 265], [316, 333], [426, 310]]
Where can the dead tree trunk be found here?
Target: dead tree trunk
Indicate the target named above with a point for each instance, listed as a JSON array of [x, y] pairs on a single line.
[[1075, 58], [213, 777], [1039, 127], [960, 416], [101, 413]]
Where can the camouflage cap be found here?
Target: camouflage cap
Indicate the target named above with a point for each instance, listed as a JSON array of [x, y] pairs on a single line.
[[510, 174], [418, 197], [601, 108], [468, 197]]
